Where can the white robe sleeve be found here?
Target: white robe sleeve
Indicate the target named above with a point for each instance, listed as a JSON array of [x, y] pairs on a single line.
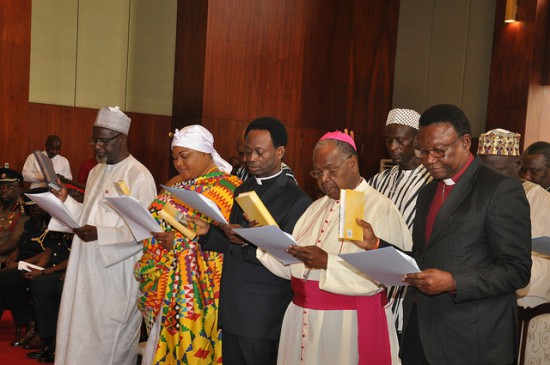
[[272, 264], [74, 207], [31, 171], [116, 243], [64, 168]]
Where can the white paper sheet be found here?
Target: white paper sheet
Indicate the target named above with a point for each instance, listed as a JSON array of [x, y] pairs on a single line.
[[386, 265], [541, 245], [139, 219], [55, 207], [25, 266], [198, 202], [272, 239]]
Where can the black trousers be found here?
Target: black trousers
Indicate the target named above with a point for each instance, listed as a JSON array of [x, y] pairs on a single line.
[[237, 350], [46, 296], [412, 352], [15, 296]]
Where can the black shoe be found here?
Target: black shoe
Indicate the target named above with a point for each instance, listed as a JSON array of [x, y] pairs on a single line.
[[36, 354], [47, 358], [34, 343], [29, 335]]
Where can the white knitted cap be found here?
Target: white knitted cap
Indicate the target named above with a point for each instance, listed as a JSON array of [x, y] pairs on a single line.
[[112, 118], [406, 117]]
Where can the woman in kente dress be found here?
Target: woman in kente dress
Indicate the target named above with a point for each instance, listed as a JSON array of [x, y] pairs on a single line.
[[179, 278]]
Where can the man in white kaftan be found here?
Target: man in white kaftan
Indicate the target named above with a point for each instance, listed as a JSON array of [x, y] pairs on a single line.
[[99, 322], [31, 169], [499, 149], [538, 290], [318, 336]]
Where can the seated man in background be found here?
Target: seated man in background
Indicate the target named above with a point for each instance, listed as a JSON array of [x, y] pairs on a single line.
[[13, 286], [31, 169], [499, 149], [536, 164], [12, 214], [46, 288]]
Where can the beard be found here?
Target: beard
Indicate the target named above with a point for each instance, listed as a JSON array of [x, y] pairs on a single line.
[[101, 159]]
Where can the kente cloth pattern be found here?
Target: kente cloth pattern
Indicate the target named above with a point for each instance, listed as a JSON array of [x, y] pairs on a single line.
[[183, 284]]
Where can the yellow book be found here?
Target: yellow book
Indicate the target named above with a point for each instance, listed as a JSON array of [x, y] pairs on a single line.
[[255, 209], [352, 206], [122, 188], [175, 218]]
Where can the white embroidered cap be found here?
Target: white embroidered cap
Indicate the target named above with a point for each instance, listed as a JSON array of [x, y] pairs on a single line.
[[406, 117], [114, 119]]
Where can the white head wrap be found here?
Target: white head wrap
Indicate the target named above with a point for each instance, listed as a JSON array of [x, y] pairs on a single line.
[[406, 117], [200, 139], [112, 118]]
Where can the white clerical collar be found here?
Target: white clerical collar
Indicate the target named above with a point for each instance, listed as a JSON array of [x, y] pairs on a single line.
[[448, 182], [260, 179]]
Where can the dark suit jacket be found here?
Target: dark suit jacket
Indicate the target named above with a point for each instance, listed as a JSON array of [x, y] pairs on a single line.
[[482, 235], [253, 300]]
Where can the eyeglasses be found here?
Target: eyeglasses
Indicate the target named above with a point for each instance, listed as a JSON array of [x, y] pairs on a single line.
[[103, 141], [330, 172], [436, 152]]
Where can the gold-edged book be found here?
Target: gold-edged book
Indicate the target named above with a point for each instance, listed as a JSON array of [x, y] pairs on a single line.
[[122, 187], [177, 220], [255, 209], [352, 206]]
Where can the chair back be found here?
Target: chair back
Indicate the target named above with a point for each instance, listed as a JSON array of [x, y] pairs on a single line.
[[534, 329]]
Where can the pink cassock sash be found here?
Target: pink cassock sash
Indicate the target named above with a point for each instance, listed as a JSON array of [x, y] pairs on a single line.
[[372, 328]]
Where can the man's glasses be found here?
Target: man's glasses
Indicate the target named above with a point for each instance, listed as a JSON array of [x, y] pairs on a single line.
[[435, 153], [330, 172], [103, 141]]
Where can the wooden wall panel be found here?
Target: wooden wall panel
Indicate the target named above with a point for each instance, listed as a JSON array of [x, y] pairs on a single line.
[[316, 66], [537, 119], [517, 101], [189, 66], [254, 60], [15, 33]]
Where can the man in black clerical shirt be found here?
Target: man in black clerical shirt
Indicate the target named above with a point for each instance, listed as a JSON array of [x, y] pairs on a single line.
[[252, 300]]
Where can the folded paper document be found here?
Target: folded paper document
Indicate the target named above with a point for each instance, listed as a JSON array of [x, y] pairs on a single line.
[[25, 266], [386, 265], [137, 217], [198, 202], [62, 220], [271, 239]]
